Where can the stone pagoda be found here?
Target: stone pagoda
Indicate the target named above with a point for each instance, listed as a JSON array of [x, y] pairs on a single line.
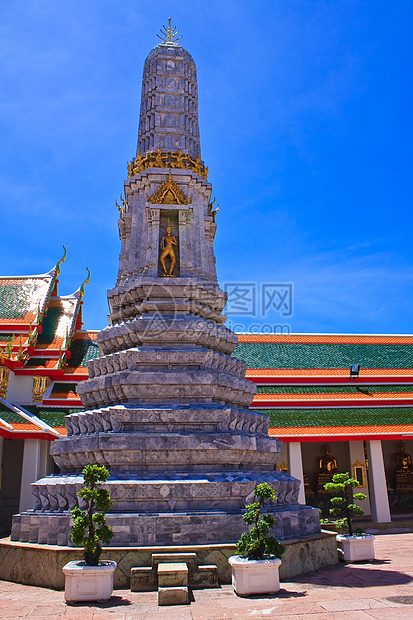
[[167, 404]]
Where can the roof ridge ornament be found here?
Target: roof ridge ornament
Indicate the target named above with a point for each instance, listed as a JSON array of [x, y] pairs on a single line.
[[62, 260], [169, 34], [82, 288]]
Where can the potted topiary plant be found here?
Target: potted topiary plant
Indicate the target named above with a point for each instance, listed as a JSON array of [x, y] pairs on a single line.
[[355, 545], [91, 579], [255, 569]]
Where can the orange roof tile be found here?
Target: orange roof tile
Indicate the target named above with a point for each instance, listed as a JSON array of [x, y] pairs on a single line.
[[85, 335], [339, 396], [28, 426], [64, 395], [340, 430], [78, 370]]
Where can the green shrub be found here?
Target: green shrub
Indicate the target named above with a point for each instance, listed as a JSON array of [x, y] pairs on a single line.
[[89, 526], [256, 544], [343, 506]]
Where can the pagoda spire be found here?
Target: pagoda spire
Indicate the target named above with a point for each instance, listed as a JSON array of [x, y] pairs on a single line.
[[169, 105]]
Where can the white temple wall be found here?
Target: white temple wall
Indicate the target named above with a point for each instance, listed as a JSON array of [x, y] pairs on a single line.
[[20, 389], [35, 466]]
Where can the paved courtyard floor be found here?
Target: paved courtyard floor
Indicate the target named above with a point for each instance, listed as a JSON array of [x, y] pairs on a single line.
[[382, 590]]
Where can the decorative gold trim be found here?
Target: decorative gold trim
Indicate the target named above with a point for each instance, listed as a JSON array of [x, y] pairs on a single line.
[[359, 473], [167, 160], [122, 210], [40, 385], [283, 467], [4, 381], [168, 193]]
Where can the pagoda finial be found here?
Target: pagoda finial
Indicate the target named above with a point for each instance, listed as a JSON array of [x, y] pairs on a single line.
[[169, 34]]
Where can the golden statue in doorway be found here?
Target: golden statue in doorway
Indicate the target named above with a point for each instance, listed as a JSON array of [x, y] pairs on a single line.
[[167, 247]]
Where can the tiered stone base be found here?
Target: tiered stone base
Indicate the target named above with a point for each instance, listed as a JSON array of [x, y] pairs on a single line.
[[177, 476], [133, 529]]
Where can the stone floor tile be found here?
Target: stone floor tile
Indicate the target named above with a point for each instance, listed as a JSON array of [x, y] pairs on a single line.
[[344, 592], [15, 613], [391, 613], [113, 616], [78, 612], [43, 617], [340, 615], [47, 609], [350, 604]]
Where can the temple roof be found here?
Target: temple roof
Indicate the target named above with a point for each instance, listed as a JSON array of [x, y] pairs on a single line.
[[52, 417], [325, 352], [303, 384], [41, 336], [37, 325], [23, 298]]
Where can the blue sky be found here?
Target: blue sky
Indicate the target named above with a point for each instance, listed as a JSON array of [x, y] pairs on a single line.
[[306, 126]]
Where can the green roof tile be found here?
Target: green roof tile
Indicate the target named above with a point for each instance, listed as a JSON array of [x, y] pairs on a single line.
[[53, 417], [49, 324], [34, 362], [7, 337], [346, 416], [82, 351], [14, 300], [284, 355], [18, 296], [334, 389]]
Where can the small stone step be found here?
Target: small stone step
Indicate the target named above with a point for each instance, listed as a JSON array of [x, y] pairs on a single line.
[[206, 576], [172, 574], [190, 560], [143, 579], [173, 596]]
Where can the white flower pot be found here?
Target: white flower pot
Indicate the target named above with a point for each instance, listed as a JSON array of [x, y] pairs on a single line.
[[88, 583], [254, 576], [356, 547]]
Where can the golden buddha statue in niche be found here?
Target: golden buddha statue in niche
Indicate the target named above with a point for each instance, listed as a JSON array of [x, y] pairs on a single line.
[[403, 460], [404, 470], [327, 466], [167, 247], [327, 463]]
